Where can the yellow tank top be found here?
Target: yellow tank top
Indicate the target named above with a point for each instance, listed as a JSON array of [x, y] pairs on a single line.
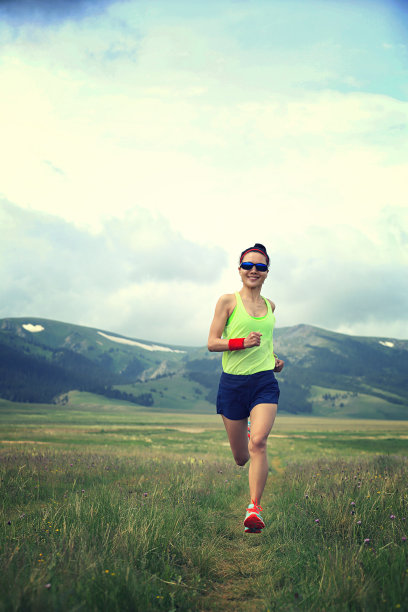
[[239, 325]]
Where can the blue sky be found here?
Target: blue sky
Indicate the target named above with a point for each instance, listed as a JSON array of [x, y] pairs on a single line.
[[145, 144]]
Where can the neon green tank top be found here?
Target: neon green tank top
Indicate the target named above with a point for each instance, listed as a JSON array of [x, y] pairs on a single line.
[[239, 325]]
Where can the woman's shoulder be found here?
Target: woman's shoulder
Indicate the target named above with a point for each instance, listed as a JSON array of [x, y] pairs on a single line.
[[227, 302], [228, 299], [272, 304]]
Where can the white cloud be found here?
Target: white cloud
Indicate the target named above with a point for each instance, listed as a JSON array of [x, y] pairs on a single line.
[[344, 280], [226, 133], [137, 276]]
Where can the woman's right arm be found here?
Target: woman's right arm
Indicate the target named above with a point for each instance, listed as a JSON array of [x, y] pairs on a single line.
[[223, 310]]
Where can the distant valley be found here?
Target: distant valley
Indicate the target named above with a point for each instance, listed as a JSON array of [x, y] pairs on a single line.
[[325, 374]]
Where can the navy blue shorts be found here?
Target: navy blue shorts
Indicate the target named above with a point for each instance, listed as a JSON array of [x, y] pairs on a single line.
[[238, 394]]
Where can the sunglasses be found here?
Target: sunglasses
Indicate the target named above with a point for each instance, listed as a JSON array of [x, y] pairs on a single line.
[[248, 265]]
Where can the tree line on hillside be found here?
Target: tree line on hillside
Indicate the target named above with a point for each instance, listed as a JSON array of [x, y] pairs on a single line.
[[33, 379], [32, 372], [25, 377]]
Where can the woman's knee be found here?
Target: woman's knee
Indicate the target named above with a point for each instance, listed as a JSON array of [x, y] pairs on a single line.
[[241, 459], [257, 443]]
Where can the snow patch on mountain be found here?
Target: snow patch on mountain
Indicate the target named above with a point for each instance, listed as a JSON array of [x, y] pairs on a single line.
[[34, 329], [386, 343], [146, 347]]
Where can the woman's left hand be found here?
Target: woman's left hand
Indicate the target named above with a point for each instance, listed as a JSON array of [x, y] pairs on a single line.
[[278, 365]]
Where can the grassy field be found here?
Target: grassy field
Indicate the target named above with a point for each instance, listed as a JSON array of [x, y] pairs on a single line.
[[107, 506]]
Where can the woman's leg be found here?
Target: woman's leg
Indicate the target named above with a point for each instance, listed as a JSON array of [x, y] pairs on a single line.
[[262, 419], [237, 432]]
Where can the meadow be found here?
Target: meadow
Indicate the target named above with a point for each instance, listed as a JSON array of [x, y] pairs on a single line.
[[108, 506]]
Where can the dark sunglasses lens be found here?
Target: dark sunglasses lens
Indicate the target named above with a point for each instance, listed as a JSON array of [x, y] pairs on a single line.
[[248, 265]]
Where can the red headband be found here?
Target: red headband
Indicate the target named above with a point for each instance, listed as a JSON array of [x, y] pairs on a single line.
[[258, 251]]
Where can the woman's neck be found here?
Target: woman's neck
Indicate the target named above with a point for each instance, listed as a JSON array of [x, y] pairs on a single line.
[[250, 294]]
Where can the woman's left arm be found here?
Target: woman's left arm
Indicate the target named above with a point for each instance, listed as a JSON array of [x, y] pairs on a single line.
[[279, 363]]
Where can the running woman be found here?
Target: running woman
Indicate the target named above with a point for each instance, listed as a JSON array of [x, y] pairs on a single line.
[[242, 329]]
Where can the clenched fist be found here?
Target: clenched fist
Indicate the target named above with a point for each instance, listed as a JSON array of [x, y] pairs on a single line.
[[254, 339], [278, 365]]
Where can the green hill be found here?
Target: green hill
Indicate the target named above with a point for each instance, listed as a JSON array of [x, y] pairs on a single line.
[[346, 375], [326, 373]]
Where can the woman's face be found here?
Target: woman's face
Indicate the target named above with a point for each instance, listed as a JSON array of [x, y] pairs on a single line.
[[253, 278]]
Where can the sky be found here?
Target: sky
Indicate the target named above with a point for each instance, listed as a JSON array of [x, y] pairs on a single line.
[[145, 144]]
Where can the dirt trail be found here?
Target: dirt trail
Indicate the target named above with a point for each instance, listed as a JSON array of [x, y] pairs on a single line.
[[241, 560]]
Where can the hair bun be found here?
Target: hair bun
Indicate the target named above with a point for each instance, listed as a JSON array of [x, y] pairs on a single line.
[[260, 246]]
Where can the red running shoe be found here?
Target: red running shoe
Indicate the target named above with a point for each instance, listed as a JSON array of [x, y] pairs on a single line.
[[253, 518]]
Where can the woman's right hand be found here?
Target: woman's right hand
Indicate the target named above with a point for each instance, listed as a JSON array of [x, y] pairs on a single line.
[[254, 339]]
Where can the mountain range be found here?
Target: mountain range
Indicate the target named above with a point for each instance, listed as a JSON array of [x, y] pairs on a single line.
[[325, 373]]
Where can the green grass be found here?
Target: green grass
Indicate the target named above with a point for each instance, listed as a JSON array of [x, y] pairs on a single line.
[[329, 564], [112, 507], [106, 530]]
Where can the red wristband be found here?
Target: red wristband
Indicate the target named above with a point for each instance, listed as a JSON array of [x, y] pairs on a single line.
[[235, 344]]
